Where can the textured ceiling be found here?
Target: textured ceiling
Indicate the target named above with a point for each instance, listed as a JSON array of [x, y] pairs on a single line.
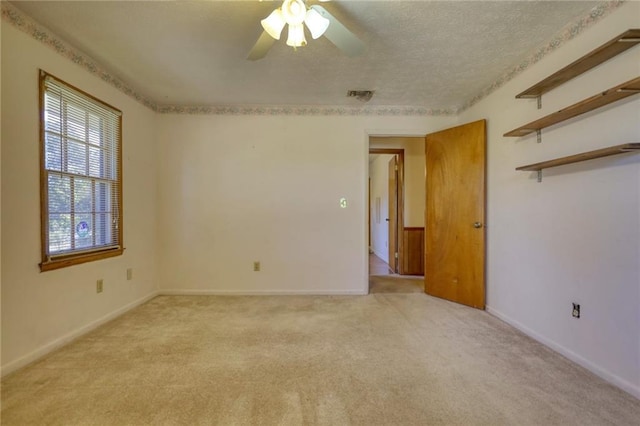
[[419, 53]]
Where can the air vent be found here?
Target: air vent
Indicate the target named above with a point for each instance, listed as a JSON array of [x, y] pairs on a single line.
[[361, 95]]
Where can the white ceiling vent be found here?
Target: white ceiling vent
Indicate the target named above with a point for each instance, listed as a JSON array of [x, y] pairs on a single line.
[[361, 95]]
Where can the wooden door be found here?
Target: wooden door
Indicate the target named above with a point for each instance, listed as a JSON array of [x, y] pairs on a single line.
[[393, 214], [455, 214]]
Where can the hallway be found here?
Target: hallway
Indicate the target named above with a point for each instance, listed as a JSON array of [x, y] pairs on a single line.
[[378, 266], [383, 280]]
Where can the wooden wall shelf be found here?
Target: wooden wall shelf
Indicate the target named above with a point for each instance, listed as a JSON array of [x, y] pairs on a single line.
[[624, 41], [614, 94], [598, 153]]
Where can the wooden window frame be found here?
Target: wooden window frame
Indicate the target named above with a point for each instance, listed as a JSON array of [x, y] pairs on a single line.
[[81, 256]]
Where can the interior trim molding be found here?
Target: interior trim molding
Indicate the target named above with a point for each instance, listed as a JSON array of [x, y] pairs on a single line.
[[180, 292], [595, 369], [39, 32], [44, 350], [306, 110], [26, 24], [569, 32]]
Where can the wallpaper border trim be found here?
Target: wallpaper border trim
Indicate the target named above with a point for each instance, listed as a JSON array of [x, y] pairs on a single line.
[[304, 110], [23, 22], [569, 32]]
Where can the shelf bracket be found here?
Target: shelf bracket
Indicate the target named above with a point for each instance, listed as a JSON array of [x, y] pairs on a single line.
[[539, 101], [539, 175], [539, 135]]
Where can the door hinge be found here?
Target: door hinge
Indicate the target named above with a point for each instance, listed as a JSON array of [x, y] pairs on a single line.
[[395, 255], [396, 167]]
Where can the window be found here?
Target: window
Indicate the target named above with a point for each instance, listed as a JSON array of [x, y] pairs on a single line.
[[81, 176]]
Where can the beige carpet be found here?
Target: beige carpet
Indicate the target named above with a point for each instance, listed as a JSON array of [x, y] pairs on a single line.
[[395, 284], [382, 359]]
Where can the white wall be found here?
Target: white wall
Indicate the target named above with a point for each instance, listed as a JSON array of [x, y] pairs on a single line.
[[379, 174], [414, 174], [238, 189], [575, 237], [42, 310]]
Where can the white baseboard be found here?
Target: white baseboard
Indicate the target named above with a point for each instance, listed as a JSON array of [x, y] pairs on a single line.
[[57, 343], [180, 292], [606, 375]]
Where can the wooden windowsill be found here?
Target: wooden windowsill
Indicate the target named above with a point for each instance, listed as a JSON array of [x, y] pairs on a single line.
[[78, 259]]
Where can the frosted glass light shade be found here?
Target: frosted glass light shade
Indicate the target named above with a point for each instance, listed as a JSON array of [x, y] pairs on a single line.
[[296, 36], [316, 23], [274, 23], [294, 11]]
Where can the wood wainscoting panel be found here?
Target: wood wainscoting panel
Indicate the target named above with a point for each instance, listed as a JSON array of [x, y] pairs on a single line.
[[413, 243]]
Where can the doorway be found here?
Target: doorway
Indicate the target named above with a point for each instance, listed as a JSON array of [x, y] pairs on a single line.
[[452, 253], [386, 210], [396, 207]]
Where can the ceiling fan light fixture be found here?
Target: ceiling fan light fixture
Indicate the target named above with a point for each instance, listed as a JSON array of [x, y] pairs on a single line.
[[316, 23], [274, 23], [296, 36], [296, 16]]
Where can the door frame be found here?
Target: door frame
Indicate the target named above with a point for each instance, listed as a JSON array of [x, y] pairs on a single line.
[[367, 134], [400, 200]]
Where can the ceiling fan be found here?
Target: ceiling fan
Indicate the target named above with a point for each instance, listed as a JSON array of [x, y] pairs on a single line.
[[296, 15]]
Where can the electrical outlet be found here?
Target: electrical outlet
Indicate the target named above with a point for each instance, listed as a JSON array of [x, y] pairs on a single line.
[[129, 274], [256, 266], [99, 286], [576, 310]]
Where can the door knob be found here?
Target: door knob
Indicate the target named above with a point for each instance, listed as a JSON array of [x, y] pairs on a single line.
[[477, 225], [387, 219]]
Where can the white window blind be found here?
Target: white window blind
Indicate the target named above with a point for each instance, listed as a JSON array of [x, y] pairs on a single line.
[[81, 172]]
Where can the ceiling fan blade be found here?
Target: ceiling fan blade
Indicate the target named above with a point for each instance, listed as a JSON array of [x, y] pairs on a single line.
[[262, 46], [339, 35]]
